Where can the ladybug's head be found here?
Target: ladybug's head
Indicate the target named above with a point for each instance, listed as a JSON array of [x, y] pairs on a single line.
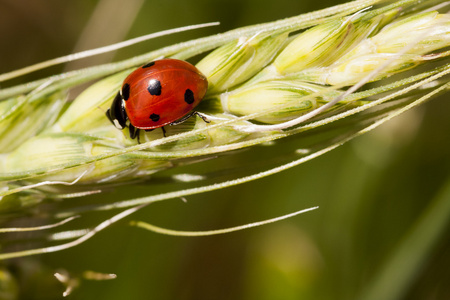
[[117, 114]]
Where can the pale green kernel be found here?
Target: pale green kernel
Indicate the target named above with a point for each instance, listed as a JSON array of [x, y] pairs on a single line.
[[287, 96], [239, 60], [434, 27], [311, 47]]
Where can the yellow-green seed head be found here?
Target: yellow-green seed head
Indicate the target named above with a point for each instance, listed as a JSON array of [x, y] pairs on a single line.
[[262, 74]]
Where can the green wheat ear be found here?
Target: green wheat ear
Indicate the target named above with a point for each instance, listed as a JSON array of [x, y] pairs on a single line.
[[266, 82]]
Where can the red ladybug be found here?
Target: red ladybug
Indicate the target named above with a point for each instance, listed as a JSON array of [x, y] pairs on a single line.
[[159, 93]]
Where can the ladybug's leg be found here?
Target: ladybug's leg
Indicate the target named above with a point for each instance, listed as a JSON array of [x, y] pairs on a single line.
[[138, 135], [204, 118], [183, 119], [134, 133]]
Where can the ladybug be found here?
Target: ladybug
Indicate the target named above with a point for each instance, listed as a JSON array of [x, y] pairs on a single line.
[[162, 92]]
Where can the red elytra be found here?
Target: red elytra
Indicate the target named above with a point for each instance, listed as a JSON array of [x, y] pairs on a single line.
[[162, 92]]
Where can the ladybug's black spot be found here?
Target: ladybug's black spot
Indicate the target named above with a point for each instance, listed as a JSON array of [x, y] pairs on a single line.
[[126, 91], [154, 87], [189, 96], [154, 117], [148, 65]]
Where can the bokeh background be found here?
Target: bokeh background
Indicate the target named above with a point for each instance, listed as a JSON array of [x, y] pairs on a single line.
[[371, 238]]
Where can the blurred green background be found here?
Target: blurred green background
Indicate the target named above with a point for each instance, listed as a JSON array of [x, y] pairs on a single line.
[[380, 231]]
